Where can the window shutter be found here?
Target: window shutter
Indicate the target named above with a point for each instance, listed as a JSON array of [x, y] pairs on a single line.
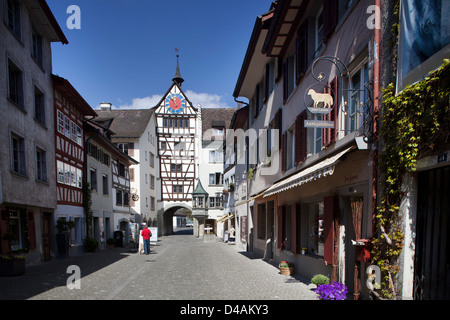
[[31, 230], [285, 81], [334, 114], [283, 152], [3, 230], [295, 247], [329, 232], [280, 229], [330, 16], [300, 138], [330, 135], [302, 51]]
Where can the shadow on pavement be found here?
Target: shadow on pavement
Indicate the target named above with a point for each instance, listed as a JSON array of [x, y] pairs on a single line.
[[48, 275]]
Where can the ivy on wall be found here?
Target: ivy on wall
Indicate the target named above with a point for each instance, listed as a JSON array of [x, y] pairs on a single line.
[[415, 123]]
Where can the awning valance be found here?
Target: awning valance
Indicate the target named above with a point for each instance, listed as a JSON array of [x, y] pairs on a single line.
[[226, 218], [317, 171]]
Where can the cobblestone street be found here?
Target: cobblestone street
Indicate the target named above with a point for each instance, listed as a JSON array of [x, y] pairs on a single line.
[[180, 267]]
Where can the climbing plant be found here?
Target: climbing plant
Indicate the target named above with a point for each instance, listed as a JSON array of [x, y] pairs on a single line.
[[415, 123]]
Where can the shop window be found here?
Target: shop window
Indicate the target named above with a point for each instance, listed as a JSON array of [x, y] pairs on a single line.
[[315, 230]]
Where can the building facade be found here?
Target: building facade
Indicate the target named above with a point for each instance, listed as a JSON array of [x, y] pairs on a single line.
[[27, 167], [107, 172], [134, 133], [310, 168], [214, 124], [71, 110], [176, 127], [422, 44]]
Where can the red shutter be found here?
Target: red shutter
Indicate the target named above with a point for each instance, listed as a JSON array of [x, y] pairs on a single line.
[[283, 152], [280, 229], [328, 225], [3, 230], [330, 135], [285, 81], [334, 114], [300, 138], [294, 235], [330, 16], [31, 230]]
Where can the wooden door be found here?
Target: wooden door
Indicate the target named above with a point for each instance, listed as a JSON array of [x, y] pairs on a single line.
[[46, 220]]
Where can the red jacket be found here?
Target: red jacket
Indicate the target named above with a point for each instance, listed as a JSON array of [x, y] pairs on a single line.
[[146, 234]]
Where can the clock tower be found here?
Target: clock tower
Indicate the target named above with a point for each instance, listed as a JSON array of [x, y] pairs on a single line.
[[177, 141]]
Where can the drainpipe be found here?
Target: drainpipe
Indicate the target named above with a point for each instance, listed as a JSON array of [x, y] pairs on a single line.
[[376, 110]]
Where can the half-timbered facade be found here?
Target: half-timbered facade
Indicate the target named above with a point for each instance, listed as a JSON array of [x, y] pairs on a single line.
[[70, 110], [176, 119]]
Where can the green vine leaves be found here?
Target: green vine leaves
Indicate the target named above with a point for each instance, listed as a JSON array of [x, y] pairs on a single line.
[[415, 123]]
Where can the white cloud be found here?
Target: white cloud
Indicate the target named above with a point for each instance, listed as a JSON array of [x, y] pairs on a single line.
[[142, 103], [206, 100]]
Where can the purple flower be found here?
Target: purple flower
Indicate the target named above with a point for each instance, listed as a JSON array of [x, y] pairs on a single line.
[[332, 291]]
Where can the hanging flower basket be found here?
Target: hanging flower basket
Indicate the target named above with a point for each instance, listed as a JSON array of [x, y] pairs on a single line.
[[286, 268]]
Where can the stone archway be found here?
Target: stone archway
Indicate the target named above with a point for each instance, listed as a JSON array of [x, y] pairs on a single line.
[[165, 217]]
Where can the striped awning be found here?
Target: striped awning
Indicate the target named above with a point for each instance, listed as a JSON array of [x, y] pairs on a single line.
[[320, 170], [226, 218]]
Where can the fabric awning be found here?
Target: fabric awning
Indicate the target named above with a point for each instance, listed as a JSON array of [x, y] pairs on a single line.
[[227, 217], [252, 198], [322, 169], [222, 218]]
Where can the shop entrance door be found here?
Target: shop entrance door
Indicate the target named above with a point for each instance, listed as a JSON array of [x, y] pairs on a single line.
[[432, 261], [46, 218]]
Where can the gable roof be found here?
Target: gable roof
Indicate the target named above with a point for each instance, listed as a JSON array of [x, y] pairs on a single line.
[[215, 117], [168, 91], [126, 123]]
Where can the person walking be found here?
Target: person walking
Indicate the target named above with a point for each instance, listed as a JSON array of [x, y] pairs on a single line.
[[232, 238], [146, 235]]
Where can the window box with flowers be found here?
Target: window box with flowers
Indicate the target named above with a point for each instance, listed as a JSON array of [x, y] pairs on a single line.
[[286, 268]]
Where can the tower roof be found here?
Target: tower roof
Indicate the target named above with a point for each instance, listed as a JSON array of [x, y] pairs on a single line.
[[199, 190], [178, 79]]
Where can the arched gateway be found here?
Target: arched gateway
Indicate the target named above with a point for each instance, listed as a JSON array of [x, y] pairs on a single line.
[[166, 214]]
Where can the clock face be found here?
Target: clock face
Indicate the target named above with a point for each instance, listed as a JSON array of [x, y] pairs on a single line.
[[175, 103]]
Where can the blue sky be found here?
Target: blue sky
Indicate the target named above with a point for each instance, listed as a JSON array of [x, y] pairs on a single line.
[[124, 52]]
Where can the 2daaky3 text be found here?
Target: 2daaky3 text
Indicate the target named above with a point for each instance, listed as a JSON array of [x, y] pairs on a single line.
[[228, 309]]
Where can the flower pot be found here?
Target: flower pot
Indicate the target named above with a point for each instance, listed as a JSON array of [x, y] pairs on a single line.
[[285, 271], [13, 267]]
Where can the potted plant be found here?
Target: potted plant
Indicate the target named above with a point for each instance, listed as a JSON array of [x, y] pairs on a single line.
[[11, 265], [286, 268], [231, 187], [320, 279], [62, 236], [110, 242], [90, 244], [332, 291]]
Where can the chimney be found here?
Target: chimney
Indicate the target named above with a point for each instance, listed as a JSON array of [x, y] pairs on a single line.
[[105, 106]]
